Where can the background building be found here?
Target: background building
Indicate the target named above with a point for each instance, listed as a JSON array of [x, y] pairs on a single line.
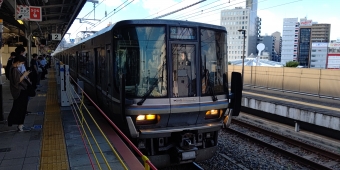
[[333, 57], [321, 32], [305, 40], [289, 40], [277, 46], [241, 18], [318, 55], [311, 32], [269, 49]]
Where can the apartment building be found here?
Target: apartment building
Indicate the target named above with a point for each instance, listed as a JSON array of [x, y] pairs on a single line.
[[237, 19], [277, 46], [289, 40]]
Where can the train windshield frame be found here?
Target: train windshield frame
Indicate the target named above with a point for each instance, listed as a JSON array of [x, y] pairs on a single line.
[[141, 54]]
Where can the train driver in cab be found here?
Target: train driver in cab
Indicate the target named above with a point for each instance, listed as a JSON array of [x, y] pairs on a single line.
[[182, 76]]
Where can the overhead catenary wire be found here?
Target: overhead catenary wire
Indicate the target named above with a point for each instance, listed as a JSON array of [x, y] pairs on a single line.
[[179, 9], [164, 9], [87, 15], [200, 7], [265, 8], [102, 20], [215, 9]]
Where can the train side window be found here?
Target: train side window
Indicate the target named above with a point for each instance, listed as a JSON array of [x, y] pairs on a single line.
[[89, 65]]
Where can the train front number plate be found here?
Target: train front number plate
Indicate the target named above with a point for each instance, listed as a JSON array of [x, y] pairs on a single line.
[[188, 155]]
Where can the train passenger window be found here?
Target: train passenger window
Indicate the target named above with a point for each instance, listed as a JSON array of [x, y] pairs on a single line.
[[81, 63], [89, 66], [214, 61], [73, 62], [141, 56]]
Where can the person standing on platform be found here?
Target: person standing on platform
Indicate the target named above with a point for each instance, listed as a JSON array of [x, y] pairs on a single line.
[[20, 50], [34, 68], [43, 66], [18, 87], [9, 64]]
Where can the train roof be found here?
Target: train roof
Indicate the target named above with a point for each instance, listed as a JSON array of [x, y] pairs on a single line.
[[167, 22], [150, 22]]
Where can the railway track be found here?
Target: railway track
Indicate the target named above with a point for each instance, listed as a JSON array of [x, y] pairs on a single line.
[[188, 166], [311, 156]]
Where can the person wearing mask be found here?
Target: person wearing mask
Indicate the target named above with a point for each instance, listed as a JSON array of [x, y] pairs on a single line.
[[18, 87], [9, 64], [20, 50]]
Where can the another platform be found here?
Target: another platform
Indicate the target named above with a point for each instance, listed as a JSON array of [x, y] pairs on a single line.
[[310, 109]]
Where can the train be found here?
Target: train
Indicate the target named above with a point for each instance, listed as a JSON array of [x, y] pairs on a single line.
[[163, 82]]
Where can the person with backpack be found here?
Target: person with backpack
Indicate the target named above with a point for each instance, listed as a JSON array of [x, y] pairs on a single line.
[[9, 64]]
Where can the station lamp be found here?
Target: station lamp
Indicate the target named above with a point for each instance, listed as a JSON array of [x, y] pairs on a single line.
[[20, 21]]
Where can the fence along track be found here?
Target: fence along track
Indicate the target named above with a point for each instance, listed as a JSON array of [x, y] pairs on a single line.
[[318, 82], [62, 79], [78, 110]]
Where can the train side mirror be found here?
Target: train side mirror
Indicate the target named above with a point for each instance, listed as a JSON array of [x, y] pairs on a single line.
[[236, 93]]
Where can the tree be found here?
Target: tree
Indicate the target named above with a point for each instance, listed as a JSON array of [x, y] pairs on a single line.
[[229, 63], [292, 64]]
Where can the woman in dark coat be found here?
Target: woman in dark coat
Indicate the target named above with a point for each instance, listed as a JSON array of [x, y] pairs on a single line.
[[19, 93]]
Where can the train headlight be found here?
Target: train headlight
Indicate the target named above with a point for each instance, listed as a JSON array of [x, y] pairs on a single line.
[[213, 114], [146, 119]]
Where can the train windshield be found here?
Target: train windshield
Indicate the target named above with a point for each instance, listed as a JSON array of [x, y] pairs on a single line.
[[213, 61], [141, 56]]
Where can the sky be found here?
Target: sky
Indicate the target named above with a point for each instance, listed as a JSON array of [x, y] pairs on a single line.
[[272, 12]]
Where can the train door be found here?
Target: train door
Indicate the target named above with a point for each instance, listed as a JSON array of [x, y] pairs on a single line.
[[108, 84], [96, 68], [183, 82], [100, 75]]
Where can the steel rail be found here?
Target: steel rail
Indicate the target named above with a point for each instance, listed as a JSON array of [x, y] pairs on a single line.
[[307, 162]]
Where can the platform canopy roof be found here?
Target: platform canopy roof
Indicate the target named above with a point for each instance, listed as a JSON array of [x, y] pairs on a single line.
[[57, 17]]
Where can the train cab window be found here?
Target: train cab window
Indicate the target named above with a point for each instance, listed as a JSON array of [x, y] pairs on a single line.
[[184, 70], [214, 61], [141, 56]]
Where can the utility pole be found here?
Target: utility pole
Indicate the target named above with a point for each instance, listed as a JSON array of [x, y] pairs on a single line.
[[244, 46]]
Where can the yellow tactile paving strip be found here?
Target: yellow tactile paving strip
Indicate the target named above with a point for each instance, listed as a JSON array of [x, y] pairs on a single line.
[[53, 150], [294, 101]]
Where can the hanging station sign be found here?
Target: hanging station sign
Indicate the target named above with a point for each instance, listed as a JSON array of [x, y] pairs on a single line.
[[28, 13]]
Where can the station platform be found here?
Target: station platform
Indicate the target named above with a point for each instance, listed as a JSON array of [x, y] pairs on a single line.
[[314, 110], [56, 140]]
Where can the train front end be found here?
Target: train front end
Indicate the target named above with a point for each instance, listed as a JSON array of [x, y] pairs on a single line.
[[175, 88]]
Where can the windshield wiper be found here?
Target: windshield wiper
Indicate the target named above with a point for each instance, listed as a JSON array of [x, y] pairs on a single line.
[[152, 87], [147, 93], [211, 89]]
